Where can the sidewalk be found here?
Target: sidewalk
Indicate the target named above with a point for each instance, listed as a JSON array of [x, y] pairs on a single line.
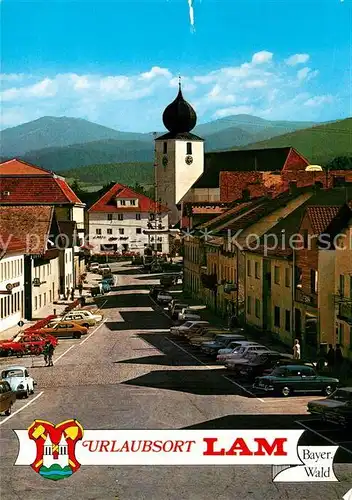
[[59, 307]]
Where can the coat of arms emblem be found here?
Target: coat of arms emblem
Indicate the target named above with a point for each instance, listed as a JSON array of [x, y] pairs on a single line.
[[55, 445]]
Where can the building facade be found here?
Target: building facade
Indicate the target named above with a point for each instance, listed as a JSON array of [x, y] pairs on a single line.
[[119, 220], [11, 288]]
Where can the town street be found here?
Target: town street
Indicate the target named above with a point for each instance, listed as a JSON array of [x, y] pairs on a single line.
[[127, 373]]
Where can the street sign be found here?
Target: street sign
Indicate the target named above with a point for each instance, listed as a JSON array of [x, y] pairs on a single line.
[[20, 323]]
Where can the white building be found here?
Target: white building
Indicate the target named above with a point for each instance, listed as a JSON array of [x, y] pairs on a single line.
[[179, 156], [11, 288], [59, 457], [117, 221]]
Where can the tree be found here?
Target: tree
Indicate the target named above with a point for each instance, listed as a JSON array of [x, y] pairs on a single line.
[[340, 163]]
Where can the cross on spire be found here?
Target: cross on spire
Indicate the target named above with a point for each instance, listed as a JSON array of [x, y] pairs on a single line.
[[179, 82]]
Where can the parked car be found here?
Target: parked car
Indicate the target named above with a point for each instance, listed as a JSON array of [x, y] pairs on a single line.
[[19, 379], [163, 297], [66, 329], [234, 344], [179, 330], [78, 317], [93, 267], [32, 343], [221, 341], [290, 379], [237, 363], [206, 335], [187, 314], [241, 351], [261, 363], [104, 268], [177, 308], [336, 408], [155, 290], [7, 397], [168, 281], [110, 280]]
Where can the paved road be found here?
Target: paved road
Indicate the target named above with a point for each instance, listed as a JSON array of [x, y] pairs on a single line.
[[128, 373]]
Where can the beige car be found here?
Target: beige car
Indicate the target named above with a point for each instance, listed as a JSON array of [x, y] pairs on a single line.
[[7, 397], [79, 318]]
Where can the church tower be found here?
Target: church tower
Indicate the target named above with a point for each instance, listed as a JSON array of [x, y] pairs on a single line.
[[179, 155]]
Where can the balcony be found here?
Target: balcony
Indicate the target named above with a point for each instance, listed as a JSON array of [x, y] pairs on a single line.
[[310, 299]]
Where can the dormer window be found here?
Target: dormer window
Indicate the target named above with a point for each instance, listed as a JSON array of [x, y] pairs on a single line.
[[123, 202], [133, 202]]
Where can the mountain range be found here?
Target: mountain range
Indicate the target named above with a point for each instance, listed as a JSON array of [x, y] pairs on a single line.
[[64, 143]]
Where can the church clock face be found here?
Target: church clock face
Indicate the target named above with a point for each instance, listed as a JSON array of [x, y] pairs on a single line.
[[165, 161], [189, 160]]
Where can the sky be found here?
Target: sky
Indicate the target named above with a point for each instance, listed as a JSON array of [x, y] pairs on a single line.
[[117, 62]]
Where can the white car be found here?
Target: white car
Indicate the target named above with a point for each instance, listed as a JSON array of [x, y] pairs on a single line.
[[19, 380], [89, 314], [240, 351], [164, 298], [237, 363], [179, 330], [93, 266], [188, 315], [235, 344]]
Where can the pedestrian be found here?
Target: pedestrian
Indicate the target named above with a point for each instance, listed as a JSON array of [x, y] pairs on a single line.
[[67, 294], [330, 357], [338, 356], [72, 293], [46, 352], [296, 350], [50, 355], [80, 288]]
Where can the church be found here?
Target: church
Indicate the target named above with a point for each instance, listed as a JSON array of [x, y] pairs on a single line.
[[179, 156]]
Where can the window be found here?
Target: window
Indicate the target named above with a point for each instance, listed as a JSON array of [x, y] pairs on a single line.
[[35, 303], [109, 231], [165, 148], [138, 216], [122, 202], [133, 202], [287, 320], [256, 270], [277, 275], [138, 230], [152, 216], [98, 231], [249, 305], [340, 333], [277, 316], [257, 308], [189, 148], [159, 247], [109, 216], [1, 308], [313, 281], [249, 271], [287, 277], [342, 285], [121, 230], [119, 216]]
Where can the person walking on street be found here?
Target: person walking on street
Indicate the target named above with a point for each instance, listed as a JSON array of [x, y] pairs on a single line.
[[80, 288], [296, 350], [51, 350], [338, 356], [46, 352], [330, 357], [67, 294]]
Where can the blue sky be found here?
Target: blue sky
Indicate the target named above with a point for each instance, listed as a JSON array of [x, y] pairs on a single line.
[[116, 62]]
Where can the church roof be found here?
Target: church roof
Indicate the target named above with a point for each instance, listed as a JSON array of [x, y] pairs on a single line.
[[181, 136], [179, 116]]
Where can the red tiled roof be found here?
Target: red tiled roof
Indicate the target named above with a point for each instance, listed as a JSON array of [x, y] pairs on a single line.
[[20, 167], [36, 189], [28, 227], [208, 210], [322, 216], [227, 215], [107, 202]]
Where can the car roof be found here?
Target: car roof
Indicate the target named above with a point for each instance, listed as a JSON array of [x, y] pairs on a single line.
[[14, 367]]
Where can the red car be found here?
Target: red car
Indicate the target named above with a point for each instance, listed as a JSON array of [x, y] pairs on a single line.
[[30, 343]]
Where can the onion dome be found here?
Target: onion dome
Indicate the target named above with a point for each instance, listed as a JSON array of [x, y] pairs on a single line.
[[179, 116]]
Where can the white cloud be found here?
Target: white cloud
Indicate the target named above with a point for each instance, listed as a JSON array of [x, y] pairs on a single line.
[[261, 86], [318, 100], [262, 57], [306, 74], [297, 59]]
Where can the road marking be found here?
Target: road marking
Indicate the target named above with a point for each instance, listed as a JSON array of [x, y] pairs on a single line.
[[20, 409], [103, 304], [63, 354], [92, 333], [322, 435], [212, 367]]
